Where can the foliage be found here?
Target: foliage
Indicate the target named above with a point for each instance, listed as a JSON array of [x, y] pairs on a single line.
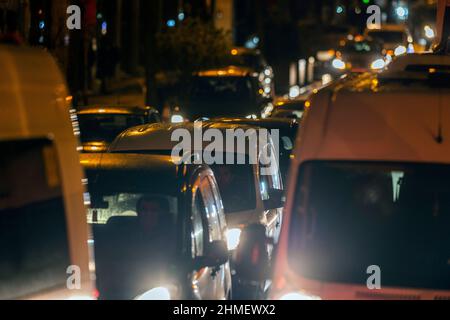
[[191, 46]]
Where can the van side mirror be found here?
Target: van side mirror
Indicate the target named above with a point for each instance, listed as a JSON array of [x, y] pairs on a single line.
[[215, 254], [276, 199], [252, 262]]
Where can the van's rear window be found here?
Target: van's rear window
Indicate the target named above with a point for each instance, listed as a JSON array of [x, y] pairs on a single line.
[[349, 216], [34, 251]]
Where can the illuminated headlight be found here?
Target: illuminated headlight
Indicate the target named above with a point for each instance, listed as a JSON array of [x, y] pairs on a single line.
[[338, 64], [156, 294], [294, 92], [233, 238], [252, 117], [298, 296], [429, 32], [400, 50], [378, 64], [267, 111], [176, 118]]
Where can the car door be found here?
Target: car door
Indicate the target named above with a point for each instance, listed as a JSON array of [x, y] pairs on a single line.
[[205, 228], [270, 179], [218, 221]]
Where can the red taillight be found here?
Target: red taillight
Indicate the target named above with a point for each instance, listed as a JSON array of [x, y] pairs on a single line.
[[96, 293]]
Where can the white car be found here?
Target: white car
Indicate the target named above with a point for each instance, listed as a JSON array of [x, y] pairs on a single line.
[[243, 188]]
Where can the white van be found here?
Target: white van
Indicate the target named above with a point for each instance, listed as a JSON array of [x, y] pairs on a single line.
[[43, 229], [368, 208]]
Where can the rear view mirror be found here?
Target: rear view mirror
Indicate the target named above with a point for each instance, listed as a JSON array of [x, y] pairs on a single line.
[[215, 255], [276, 199]]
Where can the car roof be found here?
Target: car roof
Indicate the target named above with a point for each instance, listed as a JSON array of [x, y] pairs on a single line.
[[416, 61], [229, 71], [389, 27], [268, 123], [238, 51], [125, 110], [363, 119], [286, 102], [148, 168], [158, 137]]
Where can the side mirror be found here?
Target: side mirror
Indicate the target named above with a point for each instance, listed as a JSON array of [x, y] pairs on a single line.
[[252, 262], [276, 199], [215, 254]]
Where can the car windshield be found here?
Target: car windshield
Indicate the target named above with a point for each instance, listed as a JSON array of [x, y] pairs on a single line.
[[34, 250], [221, 88], [106, 127], [360, 47], [394, 216], [135, 230], [388, 36]]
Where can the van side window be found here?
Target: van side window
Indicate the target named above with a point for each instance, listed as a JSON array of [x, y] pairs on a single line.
[[34, 246]]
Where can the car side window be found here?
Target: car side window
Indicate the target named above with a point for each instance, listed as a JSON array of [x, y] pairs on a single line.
[[212, 211]]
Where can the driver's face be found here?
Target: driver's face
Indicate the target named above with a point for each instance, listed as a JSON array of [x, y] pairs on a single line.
[[148, 214]]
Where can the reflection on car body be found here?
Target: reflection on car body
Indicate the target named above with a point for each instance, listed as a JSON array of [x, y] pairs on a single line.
[[100, 125]]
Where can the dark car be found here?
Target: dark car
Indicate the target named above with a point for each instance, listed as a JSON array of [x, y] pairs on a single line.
[[229, 91], [250, 58], [159, 229], [358, 55], [99, 125], [288, 129], [254, 59], [286, 108]]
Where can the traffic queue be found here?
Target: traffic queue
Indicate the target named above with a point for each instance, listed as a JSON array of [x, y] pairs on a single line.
[[351, 182]]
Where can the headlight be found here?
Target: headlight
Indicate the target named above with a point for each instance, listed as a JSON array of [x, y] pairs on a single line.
[[294, 92], [400, 50], [233, 238], [267, 111], [338, 64], [378, 64], [176, 118], [299, 296], [429, 32], [268, 72], [156, 294]]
